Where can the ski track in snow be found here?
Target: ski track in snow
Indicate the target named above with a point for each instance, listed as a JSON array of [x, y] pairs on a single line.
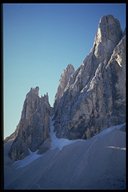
[[58, 143]]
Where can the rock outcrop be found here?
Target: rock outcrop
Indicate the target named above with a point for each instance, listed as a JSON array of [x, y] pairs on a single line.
[[94, 97], [88, 99], [108, 35], [64, 80], [33, 128]]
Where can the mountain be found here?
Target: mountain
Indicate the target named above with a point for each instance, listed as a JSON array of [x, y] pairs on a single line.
[[33, 128], [80, 143], [66, 75], [94, 97]]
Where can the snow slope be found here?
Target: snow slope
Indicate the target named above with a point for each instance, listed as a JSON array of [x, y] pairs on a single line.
[[55, 143], [97, 163], [27, 160]]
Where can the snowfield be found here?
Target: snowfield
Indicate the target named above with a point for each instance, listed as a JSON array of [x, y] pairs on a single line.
[[96, 163], [55, 143], [27, 160]]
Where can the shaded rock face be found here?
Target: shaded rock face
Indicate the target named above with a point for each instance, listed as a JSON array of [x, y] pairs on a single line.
[[95, 94], [33, 128]]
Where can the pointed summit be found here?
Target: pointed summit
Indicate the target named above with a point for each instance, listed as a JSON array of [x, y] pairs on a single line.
[[33, 128], [94, 97], [70, 67], [65, 76], [109, 28], [108, 35]]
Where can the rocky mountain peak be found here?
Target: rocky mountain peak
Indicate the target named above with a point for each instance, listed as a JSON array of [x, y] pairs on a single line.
[[87, 100], [108, 35], [109, 28], [45, 98], [35, 91], [69, 67], [32, 99], [95, 95], [64, 80], [33, 128]]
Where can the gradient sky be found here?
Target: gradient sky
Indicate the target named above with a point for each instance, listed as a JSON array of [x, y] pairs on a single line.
[[39, 41]]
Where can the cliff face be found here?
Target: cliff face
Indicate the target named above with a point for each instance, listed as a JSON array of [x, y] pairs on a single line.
[[33, 128], [95, 94], [87, 100], [66, 75]]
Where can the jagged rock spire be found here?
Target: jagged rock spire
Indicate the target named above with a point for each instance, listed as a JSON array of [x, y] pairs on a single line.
[[65, 76], [33, 128], [108, 35], [94, 98]]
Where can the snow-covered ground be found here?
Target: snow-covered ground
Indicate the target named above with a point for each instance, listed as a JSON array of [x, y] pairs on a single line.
[[27, 160], [96, 163], [60, 143], [55, 143]]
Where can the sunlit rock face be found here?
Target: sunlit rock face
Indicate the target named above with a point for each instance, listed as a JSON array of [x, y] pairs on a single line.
[[108, 35], [94, 97], [67, 73], [33, 128]]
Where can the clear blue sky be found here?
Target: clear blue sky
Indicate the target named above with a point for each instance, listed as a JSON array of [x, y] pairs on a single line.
[[39, 41]]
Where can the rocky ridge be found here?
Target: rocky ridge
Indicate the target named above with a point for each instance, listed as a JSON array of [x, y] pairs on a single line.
[[95, 96], [87, 100]]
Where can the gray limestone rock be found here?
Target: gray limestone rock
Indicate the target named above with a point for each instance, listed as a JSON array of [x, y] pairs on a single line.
[[33, 128], [108, 35], [65, 77], [45, 146], [95, 96]]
